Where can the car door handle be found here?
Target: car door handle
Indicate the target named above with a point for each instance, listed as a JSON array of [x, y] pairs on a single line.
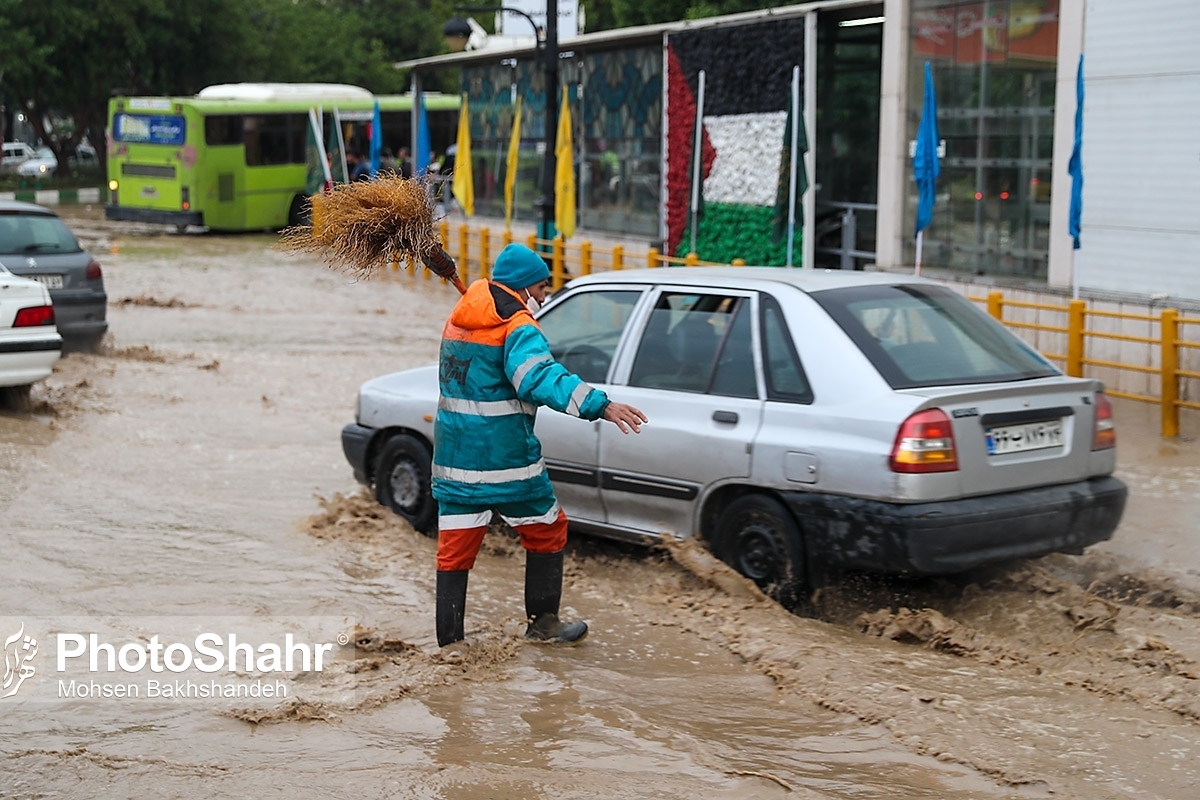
[[725, 416]]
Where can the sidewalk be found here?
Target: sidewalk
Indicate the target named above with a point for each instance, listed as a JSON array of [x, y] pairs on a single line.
[[53, 197]]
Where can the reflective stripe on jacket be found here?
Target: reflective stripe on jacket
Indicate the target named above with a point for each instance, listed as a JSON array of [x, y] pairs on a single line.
[[495, 370]]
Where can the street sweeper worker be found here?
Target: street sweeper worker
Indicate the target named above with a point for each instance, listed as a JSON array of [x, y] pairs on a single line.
[[495, 370]]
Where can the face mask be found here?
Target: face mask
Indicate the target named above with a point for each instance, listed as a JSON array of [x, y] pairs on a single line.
[[532, 304]]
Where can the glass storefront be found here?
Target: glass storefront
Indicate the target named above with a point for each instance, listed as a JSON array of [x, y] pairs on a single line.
[[994, 69], [616, 115]]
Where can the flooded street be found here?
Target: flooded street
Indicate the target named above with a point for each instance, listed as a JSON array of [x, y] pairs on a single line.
[[189, 477]]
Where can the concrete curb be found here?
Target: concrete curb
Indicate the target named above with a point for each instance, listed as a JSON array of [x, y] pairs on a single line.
[[53, 197]]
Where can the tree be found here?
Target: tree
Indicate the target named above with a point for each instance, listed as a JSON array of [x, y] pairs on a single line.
[[62, 60]]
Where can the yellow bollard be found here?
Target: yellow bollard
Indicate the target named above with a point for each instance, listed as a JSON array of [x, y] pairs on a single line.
[[1170, 372], [995, 305], [618, 258], [506, 239], [531, 242], [558, 260], [485, 258], [585, 258], [464, 252], [738, 262], [652, 257], [1076, 328], [444, 233]]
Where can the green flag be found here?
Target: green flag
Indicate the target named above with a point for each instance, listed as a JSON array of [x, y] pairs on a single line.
[[783, 211]]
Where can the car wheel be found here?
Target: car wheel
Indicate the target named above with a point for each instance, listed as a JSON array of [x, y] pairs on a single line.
[[757, 536], [402, 482], [299, 214], [16, 398]]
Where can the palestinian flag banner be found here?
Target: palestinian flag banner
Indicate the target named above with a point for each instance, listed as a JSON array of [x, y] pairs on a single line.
[[745, 114]]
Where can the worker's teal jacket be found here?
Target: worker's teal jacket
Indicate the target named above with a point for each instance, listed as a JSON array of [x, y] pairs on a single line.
[[495, 370]]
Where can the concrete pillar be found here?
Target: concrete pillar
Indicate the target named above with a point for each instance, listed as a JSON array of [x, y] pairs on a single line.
[[1070, 45], [893, 136]]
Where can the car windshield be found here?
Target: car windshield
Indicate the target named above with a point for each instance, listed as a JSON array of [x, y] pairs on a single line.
[[917, 335], [22, 234]]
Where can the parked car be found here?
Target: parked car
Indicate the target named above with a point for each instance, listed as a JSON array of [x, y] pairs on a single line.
[[37, 244], [44, 163], [15, 154], [799, 421], [29, 341]]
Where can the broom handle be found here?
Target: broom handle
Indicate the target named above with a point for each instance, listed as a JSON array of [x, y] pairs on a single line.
[[443, 266]]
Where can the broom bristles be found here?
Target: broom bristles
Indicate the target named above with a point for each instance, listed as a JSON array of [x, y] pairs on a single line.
[[364, 226]]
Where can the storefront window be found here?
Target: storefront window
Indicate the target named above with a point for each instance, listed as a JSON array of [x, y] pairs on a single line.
[[994, 70]]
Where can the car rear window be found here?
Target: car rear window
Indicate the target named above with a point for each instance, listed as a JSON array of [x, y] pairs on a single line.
[[27, 234], [917, 335]]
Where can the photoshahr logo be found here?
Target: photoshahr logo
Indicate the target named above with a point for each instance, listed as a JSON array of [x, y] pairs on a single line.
[[19, 650]]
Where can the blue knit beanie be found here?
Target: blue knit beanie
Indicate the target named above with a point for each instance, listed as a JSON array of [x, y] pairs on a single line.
[[518, 267]]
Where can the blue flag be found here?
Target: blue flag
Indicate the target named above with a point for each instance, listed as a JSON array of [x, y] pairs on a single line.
[[421, 157], [376, 141], [926, 165], [1075, 165]]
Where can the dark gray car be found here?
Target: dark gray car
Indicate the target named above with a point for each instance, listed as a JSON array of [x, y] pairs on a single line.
[[35, 243]]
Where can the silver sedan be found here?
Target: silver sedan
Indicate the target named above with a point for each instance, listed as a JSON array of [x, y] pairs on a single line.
[[799, 421]]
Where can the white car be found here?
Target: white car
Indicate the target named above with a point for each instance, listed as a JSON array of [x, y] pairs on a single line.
[[30, 345], [44, 163], [15, 154]]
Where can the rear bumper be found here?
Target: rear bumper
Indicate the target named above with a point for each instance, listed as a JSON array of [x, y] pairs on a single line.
[[28, 361], [80, 312], [356, 442], [945, 537], [153, 216]]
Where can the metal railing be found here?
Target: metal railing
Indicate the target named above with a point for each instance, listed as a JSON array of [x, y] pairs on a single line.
[[1082, 338], [475, 249]]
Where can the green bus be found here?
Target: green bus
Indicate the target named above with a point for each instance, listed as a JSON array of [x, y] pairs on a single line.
[[239, 157]]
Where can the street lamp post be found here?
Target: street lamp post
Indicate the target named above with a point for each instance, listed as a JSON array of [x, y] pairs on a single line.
[[545, 49]]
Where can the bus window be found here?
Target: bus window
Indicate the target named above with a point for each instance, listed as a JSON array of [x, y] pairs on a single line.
[[223, 129], [275, 139]]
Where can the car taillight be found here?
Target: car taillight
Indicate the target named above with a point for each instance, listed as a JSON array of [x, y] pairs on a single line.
[[925, 443], [1104, 434], [185, 201], [34, 315], [93, 270]]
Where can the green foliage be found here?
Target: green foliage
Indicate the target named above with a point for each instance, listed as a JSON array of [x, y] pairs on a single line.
[[62, 59], [603, 15], [728, 231]]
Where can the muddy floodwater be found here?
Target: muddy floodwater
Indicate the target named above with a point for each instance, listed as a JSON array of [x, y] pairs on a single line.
[[188, 479]]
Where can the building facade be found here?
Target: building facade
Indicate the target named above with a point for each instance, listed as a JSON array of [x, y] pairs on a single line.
[[1005, 75]]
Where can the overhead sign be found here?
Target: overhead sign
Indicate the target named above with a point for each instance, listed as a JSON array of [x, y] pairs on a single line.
[[517, 25]]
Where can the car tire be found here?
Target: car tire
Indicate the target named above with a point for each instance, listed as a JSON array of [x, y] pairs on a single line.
[[299, 213], [16, 398], [758, 537], [402, 482]]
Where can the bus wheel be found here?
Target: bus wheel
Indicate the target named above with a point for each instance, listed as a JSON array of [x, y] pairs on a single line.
[[299, 213]]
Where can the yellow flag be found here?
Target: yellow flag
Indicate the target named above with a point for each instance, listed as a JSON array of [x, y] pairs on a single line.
[[564, 172], [463, 186], [510, 176]]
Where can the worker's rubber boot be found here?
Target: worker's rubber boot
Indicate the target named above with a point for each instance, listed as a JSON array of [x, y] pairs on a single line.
[[451, 605], [543, 592]]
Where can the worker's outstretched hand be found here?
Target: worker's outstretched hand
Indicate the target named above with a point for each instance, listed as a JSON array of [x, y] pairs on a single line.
[[625, 417]]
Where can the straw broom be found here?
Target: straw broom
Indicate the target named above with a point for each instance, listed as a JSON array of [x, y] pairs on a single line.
[[364, 226]]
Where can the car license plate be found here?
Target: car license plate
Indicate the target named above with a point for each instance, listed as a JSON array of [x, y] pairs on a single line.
[[1019, 438], [49, 281]]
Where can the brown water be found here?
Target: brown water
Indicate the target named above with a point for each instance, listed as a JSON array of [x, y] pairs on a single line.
[[191, 475]]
